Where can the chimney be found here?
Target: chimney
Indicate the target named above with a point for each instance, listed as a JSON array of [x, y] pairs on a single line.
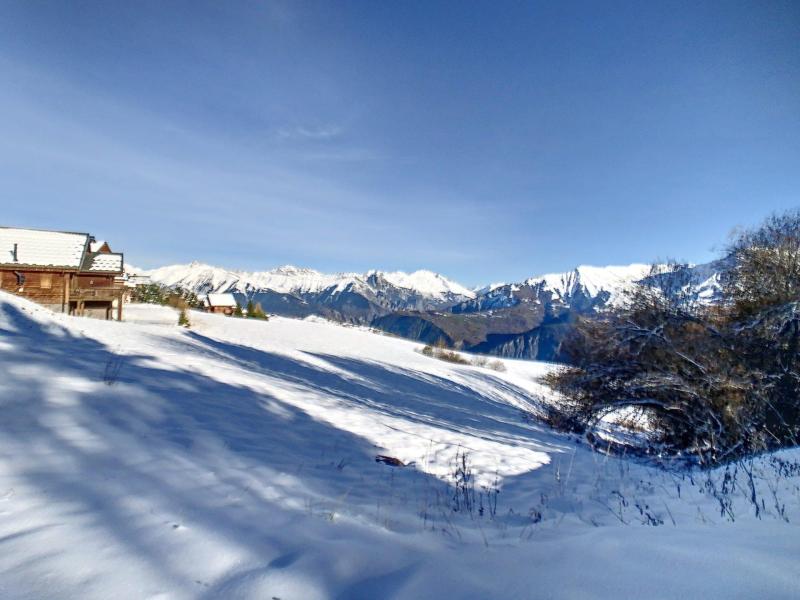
[[15, 253]]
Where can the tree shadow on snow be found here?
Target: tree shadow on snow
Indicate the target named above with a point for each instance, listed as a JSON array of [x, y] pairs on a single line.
[[96, 432], [414, 396]]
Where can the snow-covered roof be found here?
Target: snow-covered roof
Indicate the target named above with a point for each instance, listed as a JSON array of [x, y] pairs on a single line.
[[97, 244], [103, 263], [56, 249], [222, 300], [37, 248]]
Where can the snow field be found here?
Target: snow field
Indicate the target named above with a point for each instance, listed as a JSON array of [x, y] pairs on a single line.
[[236, 459]]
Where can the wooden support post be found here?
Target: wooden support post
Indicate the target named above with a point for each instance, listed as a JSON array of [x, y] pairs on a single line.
[[119, 306], [67, 285]]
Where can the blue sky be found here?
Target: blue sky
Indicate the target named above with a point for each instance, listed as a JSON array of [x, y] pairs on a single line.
[[485, 140]]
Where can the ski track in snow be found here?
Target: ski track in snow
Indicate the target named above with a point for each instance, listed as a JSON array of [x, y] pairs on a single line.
[[236, 459]]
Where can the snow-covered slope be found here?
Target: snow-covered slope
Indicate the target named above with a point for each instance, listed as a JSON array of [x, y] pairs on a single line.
[[237, 459]]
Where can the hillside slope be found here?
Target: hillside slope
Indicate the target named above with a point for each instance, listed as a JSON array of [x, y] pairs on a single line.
[[236, 459]]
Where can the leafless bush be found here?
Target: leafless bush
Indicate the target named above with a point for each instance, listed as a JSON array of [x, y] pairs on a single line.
[[444, 354], [716, 382], [468, 499], [463, 484], [480, 361]]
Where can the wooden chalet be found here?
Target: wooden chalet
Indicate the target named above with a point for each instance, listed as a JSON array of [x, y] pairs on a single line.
[[221, 303], [64, 271]]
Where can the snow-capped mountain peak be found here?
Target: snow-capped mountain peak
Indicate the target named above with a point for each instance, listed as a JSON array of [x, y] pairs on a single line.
[[199, 277], [392, 290], [290, 279], [593, 280], [426, 283]]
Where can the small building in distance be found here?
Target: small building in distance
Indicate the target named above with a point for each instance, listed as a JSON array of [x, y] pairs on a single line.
[[221, 303], [62, 271], [131, 281]]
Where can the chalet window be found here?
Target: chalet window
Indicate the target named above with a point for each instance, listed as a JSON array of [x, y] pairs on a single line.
[[46, 281]]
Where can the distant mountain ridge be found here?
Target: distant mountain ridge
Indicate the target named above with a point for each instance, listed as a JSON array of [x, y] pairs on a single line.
[[585, 282], [295, 291], [528, 319], [290, 279]]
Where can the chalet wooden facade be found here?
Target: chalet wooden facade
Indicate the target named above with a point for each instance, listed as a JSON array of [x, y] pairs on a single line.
[[64, 271], [221, 303]]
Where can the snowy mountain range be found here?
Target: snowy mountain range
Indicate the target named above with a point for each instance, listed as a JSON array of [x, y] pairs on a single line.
[[295, 280], [582, 283], [294, 291], [528, 319]]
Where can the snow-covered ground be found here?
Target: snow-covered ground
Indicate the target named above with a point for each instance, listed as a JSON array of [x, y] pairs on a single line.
[[236, 459]]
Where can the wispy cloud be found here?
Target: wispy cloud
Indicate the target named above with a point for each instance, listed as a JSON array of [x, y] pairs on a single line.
[[302, 132], [157, 177]]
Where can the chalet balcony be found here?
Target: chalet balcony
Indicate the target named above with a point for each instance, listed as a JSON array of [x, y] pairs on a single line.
[[106, 293], [96, 301]]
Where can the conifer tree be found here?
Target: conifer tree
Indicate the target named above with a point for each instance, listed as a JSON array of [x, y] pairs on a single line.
[[257, 312]]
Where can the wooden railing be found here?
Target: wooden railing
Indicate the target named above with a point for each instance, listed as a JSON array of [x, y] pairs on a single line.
[[96, 293]]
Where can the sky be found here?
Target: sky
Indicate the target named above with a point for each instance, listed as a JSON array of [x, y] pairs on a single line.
[[489, 141]]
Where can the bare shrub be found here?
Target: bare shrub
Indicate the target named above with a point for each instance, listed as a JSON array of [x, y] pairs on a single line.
[[441, 352], [450, 356], [714, 381], [463, 484], [480, 361], [444, 354]]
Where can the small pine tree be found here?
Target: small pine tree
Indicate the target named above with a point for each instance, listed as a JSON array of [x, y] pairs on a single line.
[[237, 312], [257, 312], [249, 309], [183, 318], [151, 293]]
